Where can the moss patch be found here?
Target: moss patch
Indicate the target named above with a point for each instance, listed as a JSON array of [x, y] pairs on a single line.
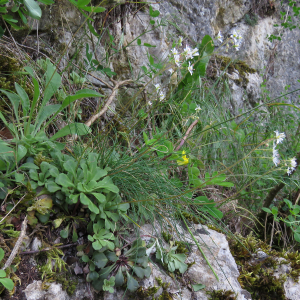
[[258, 273], [225, 63], [221, 295]]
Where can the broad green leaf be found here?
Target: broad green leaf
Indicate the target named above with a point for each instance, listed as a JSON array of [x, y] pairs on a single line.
[[33, 9], [92, 276], [15, 101], [53, 82], [2, 273], [63, 180], [85, 258], [107, 183], [139, 42], [86, 201], [29, 165], [52, 187], [153, 13], [19, 177], [81, 3], [99, 259], [100, 197], [44, 114], [74, 128], [7, 283], [140, 272], [297, 237], [21, 152], [64, 233], [5, 150], [70, 166], [24, 99], [132, 284], [207, 45], [119, 278]]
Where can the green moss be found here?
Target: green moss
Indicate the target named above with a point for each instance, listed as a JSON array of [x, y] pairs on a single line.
[[258, 275], [68, 285], [221, 295], [181, 246], [143, 293], [226, 63], [165, 294], [39, 158]]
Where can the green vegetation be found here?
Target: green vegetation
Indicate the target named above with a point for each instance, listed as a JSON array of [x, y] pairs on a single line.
[[94, 161]]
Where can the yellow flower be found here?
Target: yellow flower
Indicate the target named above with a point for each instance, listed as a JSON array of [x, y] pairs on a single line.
[[183, 161]]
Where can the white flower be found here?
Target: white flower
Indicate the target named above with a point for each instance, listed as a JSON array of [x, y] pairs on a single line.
[[189, 53], [190, 68], [161, 96], [279, 136], [149, 103], [177, 60], [292, 168], [293, 162], [198, 108], [195, 52], [174, 51], [237, 39], [276, 160], [220, 37], [171, 70], [157, 86]]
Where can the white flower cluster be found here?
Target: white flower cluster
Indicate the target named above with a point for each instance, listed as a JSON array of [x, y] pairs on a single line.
[[236, 39], [160, 93], [188, 53], [279, 137]]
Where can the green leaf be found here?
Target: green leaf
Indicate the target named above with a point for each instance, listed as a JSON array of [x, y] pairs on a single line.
[[53, 82], [99, 259], [198, 287], [267, 210], [81, 3], [22, 151], [24, 99], [52, 187], [86, 201], [28, 165], [2, 253], [108, 284], [47, 2], [45, 113], [297, 237], [85, 258], [149, 45], [33, 8], [74, 128], [100, 197], [140, 272], [64, 233], [2, 273], [139, 42], [84, 93], [132, 284], [119, 278], [63, 180], [92, 276], [107, 183], [153, 13], [8, 283], [19, 177]]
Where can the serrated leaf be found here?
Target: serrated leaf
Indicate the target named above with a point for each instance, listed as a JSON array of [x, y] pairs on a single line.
[[132, 284]]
